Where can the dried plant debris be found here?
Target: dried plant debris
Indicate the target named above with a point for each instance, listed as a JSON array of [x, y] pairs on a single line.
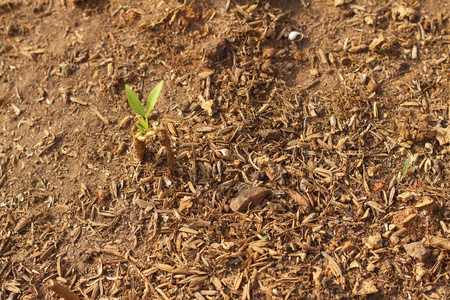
[[303, 150]]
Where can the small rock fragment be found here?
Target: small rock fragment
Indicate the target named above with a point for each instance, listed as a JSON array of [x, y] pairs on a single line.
[[442, 135], [224, 154], [348, 246], [371, 267], [317, 277], [346, 61], [268, 53], [376, 42], [208, 106], [215, 49], [422, 273], [417, 250], [339, 3], [185, 204], [405, 197], [295, 36], [226, 208], [369, 20], [249, 198], [374, 241], [103, 195], [365, 287], [373, 86]]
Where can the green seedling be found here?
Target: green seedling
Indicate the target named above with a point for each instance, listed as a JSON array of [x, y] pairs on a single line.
[[143, 129], [405, 168], [63, 68]]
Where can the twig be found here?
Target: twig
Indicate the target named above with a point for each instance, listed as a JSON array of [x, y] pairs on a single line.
[[62, 290], [147, 282], [166, 142]]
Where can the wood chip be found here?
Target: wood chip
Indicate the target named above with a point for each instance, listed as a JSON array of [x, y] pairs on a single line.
[[249, 198]]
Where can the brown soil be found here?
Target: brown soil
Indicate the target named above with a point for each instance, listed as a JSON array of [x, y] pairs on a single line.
[[307, 169]]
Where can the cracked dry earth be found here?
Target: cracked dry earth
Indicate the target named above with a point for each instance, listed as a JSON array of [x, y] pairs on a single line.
[[305, 168]]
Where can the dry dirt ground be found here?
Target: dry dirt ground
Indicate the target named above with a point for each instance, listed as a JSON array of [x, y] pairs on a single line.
[[313, 168]]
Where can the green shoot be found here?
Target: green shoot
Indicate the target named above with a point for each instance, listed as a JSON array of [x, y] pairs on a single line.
[[142, 128], [405, 168], [63, 68]]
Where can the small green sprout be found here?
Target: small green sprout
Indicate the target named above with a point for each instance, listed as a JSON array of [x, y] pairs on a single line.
[[405, 168], [63, 68], [143, 129]]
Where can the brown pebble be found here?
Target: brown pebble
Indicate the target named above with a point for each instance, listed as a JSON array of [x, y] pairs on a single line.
[[103, 195], [348, 246], [373, 86], [215, 49], [417, 250], [268, 53], [346, 61], [270, 134], [249, 198]]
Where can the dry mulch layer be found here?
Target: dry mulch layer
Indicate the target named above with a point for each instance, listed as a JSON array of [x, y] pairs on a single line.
[[302, 149]]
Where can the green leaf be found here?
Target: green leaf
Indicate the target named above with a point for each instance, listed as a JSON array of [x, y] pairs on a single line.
[[139, 129], [143, 124], [405, 168], [134, 102], [153, 97]]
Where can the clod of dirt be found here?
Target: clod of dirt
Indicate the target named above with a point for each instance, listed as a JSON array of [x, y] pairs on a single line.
[[270, 134], [414, 126], [273, 170], [401, 12], [365, 287], [215, 49], [403, 218], [442, 135], [249, 198], [417, 250], [374, 242], [268, 53]]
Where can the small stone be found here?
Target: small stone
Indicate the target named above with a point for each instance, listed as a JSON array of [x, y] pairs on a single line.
[[339, 3], [226, 208], [103, 195], [417, 250], [249, 198], [371, 267], [365, 287], [374, 241], [268, 53], [348, 246], [346, 61], [405, 197], [421, 273], [373, 86], [215, 49]]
